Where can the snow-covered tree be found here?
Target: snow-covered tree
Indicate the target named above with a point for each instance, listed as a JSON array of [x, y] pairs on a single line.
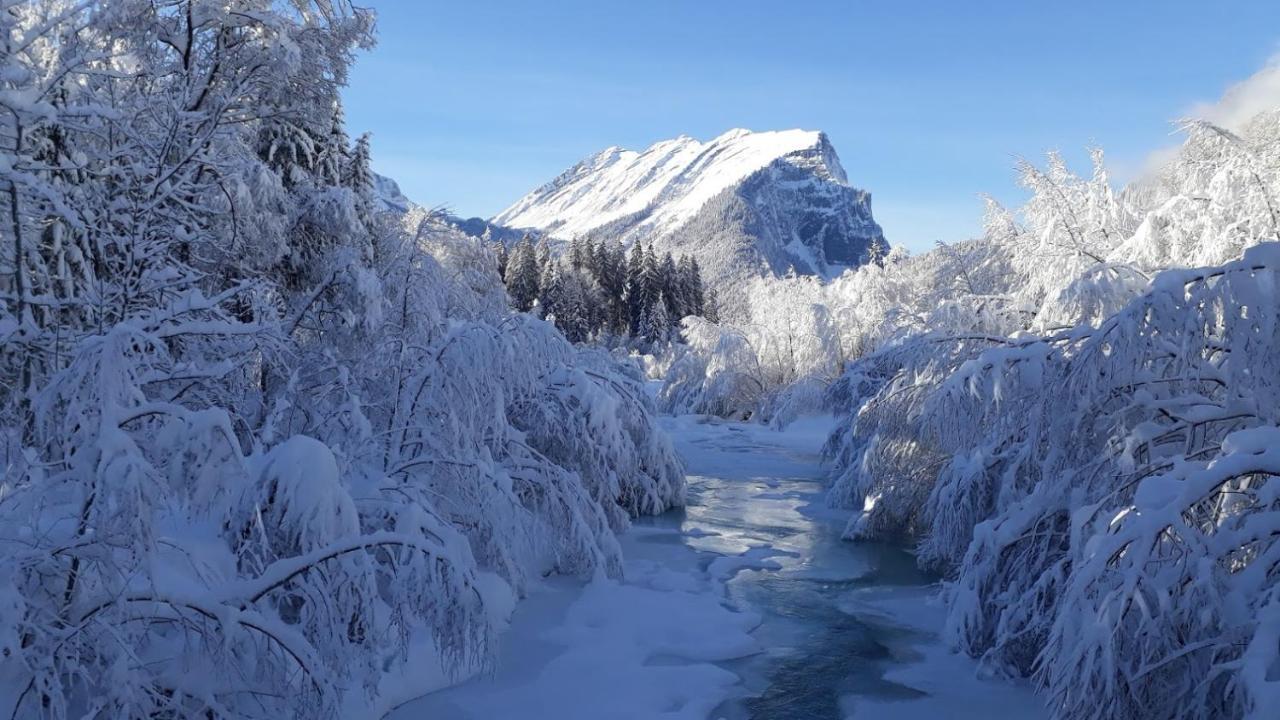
[[655, 326], [523, 275], [265, 448]]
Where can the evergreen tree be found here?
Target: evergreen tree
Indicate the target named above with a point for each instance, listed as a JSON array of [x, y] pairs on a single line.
[[359, 177], [548, 285], [522, 275], [612, 277], [599, 261], [697, 295], [689, 286], [500, 253], [651, 289], [636, 290], [288, 149], [334, 152], [656, 326], [608, 289], [359, 171], [579, 253], [543, 254], [876, 253], [711, 305], [574, 313], [668, 288]]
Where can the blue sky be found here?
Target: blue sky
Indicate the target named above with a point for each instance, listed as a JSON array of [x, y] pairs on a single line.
[[473, 103]]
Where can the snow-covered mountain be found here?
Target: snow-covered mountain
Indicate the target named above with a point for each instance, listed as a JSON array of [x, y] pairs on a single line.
[[742, 203], [388, 196]]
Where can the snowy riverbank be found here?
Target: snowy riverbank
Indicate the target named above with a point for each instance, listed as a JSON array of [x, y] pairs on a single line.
[[745, 604]]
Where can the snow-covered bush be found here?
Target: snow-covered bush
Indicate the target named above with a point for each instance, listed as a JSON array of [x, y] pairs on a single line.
[[718, 372], [736, 369], [266, 451], [1094, 471], [1084, 534]]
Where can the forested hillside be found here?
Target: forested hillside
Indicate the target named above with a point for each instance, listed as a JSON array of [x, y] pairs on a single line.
[[267, 451]]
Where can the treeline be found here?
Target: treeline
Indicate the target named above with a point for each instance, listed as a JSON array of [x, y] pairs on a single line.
[[597, 291]]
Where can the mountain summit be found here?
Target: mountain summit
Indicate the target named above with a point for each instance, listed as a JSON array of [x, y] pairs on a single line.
[[743, 203]]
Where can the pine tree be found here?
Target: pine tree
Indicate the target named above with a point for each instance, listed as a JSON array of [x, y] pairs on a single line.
[[334, 153], [683, 288], [668, 287], [612, 290], [359, 177], [636, 289], [522, 275], [500, 253], [599, 261], [697, 295], [288, 149], [613, 283], [689, 286], [650, 281], [656, 326], [876, 253], [572, 308], [359, 170], [711, 306], [543, 254], [549, 285], [579, 253]]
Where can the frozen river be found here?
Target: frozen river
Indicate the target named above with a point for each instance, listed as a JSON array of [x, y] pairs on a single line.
[[744, 604]]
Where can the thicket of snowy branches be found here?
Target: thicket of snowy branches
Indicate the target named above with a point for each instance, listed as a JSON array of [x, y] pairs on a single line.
[[1085, 441], [266, 451]]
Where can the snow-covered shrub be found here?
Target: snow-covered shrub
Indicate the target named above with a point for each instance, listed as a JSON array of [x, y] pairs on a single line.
[[1092, 466], [718, 373], [609, 399], [266, 450], [1096, 295], [802, 397], [162, 567], [736, 369], [1219, 195], [884, 461], [1061, 575]]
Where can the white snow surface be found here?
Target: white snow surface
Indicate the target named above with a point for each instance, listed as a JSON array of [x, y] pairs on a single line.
[[675, 176], [691, 633]]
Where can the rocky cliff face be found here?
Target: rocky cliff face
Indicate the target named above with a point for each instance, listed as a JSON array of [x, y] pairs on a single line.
[[745, 203]]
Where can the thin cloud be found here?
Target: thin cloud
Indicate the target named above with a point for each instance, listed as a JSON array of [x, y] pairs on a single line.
[[1239, 104], [1244, 100]]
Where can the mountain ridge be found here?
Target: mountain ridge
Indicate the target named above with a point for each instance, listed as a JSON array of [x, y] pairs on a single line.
[[745, 203]]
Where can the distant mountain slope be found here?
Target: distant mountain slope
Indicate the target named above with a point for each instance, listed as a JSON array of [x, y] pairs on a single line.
[[386, 192], [389, 197], [744, 203]]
